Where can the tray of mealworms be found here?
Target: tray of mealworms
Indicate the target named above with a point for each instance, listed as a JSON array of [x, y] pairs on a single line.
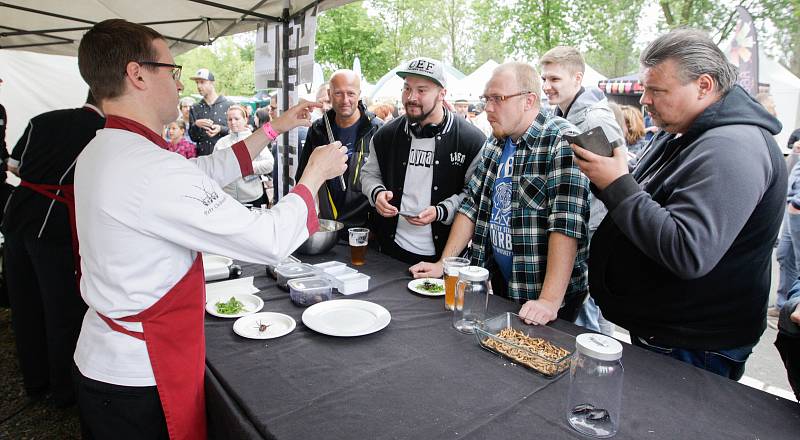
[[543, 349]]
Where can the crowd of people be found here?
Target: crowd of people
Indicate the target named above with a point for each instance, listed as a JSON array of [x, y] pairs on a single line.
[[104, 234]]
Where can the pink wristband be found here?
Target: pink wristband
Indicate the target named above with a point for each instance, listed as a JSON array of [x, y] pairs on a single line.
[[269, 131]]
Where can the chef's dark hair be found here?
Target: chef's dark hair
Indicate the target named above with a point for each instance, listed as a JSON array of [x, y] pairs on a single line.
[[107, 48]]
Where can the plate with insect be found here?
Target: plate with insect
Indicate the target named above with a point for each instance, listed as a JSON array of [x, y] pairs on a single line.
[[427, 286], [264, 325], [234, 305]]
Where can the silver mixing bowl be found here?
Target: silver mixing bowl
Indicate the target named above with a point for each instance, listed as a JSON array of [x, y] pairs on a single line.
[[323, 240]]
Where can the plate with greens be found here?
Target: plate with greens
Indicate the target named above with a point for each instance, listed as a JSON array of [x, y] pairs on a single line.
[[427, 286], [234, 306]]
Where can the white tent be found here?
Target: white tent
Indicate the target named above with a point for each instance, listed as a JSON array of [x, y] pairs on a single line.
[[591, 77], [388, 88], [472, 85], [784, 87], [34, 83]]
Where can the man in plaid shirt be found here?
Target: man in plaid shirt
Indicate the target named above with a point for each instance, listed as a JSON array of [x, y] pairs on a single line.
[[526, 208]]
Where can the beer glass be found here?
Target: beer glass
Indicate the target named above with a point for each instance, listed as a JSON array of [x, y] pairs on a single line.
[[358, 245], [451, 267]]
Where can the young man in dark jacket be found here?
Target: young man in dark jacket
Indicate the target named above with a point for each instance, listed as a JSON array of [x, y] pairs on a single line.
[[418, 166], [353, 126], [681, 266]]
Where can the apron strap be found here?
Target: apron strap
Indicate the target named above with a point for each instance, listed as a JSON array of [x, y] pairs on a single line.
[[116, 327], [66, 197]]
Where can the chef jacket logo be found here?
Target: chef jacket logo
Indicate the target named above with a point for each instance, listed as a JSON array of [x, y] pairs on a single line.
[[210, 198], [457, 158]]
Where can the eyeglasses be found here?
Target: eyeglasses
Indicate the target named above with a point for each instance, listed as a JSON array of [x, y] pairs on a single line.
[[176, 69], [497, 99]]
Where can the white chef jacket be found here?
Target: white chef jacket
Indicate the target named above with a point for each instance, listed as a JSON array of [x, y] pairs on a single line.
[[142, 213]]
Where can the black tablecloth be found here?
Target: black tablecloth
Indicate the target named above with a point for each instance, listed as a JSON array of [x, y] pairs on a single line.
[[419, 378]]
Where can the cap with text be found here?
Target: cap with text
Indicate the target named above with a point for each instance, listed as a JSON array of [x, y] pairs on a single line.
[[426, 68]]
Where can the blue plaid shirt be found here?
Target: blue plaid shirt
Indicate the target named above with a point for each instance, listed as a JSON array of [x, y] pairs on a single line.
[[549, 194]]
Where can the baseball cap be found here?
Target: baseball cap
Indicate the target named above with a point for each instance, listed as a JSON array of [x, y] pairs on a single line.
[[426, 68], [203, 74]]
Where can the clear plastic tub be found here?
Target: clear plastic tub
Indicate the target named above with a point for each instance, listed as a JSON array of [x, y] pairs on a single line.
[[292, 271], [541, 348], [351, 283], [307, 291]]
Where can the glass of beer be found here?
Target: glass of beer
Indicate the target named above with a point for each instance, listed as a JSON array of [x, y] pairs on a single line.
[[451, 267], [358, 245]]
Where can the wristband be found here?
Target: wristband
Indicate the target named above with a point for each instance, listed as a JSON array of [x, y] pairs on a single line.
[[269, 131]]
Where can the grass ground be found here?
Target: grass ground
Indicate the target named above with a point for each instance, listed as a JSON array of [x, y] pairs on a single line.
[[20, 417]]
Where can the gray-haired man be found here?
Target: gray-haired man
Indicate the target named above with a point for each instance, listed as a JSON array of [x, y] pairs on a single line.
[[682, 260]]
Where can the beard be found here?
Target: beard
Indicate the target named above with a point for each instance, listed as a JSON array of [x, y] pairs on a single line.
[[423, 115]]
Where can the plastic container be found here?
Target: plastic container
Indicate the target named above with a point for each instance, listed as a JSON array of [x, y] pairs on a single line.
[[308, 291], [292, 271], [502, 334], [351, 283], [472, 298], [594, 400], [329, 265], [288, 260]]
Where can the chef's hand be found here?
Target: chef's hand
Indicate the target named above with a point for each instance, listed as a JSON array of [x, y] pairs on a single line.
[[427, 270], [539, 311], [325, 163], [383, 206], [601, 170], [214, 130], [296, 116], [795, 316], [204, 123], [427, 216]]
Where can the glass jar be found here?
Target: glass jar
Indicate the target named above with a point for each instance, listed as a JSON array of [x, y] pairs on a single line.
[[595, 386], [472, 298]]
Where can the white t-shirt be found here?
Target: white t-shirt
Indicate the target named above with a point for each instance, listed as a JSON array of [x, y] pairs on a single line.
[[416, 197], [142, 213]]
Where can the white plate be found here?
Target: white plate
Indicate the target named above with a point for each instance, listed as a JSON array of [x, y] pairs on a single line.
[[278, 325], [216, 267], [415, 286], [251, 303], [346, 317]]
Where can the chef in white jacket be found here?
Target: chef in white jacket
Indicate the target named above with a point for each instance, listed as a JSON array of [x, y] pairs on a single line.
[[144, 216]]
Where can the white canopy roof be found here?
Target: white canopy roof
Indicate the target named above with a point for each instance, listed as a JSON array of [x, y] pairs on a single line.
[[472, 85], [56, 26]]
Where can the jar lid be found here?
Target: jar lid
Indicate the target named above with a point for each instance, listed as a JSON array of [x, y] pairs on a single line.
[[599, 346], [473, 273]]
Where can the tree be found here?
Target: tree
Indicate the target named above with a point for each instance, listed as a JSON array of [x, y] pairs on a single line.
[[613, 29], [348, 31], [232, 65], [410, 31]]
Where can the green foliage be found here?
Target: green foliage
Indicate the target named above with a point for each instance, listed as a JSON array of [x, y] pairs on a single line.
[[348, 31], [613, 27], [232, 65]]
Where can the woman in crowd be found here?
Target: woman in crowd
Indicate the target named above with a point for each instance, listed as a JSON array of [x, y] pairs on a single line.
[[634, 129], [247, 189], [176, 134], [184, 105]]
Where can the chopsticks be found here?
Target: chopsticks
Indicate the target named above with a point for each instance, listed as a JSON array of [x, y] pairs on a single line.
[[332, 140]]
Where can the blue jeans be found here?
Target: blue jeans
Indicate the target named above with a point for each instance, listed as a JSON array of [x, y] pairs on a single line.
[[728, 363], [788, 255]]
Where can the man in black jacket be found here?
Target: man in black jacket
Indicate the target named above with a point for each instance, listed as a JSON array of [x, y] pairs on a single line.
[[208, 118], [682, 260], [353, 126], [45, 302], [418, 166]]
